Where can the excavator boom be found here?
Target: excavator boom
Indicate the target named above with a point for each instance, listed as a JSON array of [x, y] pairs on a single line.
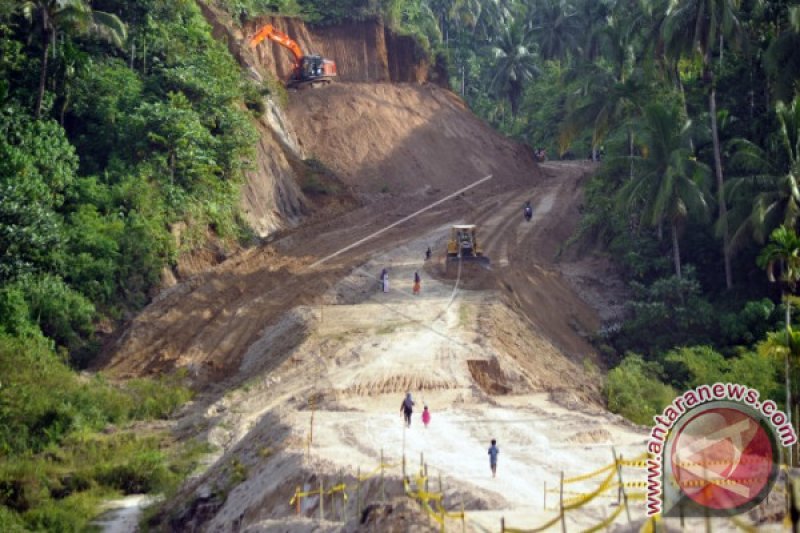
[[269, 32]]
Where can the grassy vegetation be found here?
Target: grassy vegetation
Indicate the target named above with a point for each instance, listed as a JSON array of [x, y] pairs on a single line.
[[67, 441]]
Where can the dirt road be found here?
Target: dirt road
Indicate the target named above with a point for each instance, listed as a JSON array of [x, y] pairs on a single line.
[[496, 353]]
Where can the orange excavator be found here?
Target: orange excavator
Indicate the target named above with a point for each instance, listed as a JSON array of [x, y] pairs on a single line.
[[308, 69]]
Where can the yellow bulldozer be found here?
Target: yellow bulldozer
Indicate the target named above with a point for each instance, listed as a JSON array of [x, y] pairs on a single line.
[[463, 246]]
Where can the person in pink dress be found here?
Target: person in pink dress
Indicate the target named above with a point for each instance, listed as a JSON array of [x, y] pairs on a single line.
[[426, 416]]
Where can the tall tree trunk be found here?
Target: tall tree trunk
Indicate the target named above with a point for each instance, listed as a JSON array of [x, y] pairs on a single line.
[[43, 73], [723, 209], [676, 250], [679, 83], [630, 153], [786, 360]]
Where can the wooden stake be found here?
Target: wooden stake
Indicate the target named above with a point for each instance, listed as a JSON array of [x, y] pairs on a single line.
[[297, 500], [463, 516], [561, 504], [344, 499], [502, 524], [618, 466], [544, 496], [321, 501], [383, 484], [358, 493]]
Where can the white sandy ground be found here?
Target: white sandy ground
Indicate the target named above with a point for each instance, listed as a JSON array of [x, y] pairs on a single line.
[[362, 356], [122, 516], [357, 355]]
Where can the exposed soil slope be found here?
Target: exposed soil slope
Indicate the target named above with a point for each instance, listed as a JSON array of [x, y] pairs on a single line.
[[300, 317], [402, 138], [415, 143]]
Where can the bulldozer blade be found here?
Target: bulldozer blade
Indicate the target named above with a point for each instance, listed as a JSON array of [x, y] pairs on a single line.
[[485, 262]]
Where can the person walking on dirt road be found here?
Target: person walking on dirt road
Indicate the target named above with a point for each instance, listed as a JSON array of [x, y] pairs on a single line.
[[426, 417], [528, 211], [407, 407], [493, 451], [428, 253], [417, 283], [385, 280]]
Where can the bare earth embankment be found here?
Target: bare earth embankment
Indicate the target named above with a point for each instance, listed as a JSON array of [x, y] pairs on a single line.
[[282, 348]]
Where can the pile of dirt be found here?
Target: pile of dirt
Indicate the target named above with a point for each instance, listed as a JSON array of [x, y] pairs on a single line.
[[488, 375], [400, 139], [398, 516]]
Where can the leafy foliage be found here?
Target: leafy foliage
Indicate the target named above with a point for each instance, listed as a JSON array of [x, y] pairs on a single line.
[[634, 389]]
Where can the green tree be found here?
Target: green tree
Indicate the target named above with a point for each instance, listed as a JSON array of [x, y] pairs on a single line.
[[634, 389], [695, 28], [668, 183], [516, 63], [782, 256], [556, 28], [775, 179], [52, 16]]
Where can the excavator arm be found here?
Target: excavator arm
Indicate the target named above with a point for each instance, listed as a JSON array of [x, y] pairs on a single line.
[[308, 69], [269, 32]]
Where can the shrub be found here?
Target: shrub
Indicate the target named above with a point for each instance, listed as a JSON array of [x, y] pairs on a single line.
[[634, 390], [156, 398]]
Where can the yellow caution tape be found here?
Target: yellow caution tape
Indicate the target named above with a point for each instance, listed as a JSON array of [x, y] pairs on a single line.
[[722, 482], [376, 471], [341, 487], [743, 460], [302, 495], [579, 502], [589, 475], [639, 461]]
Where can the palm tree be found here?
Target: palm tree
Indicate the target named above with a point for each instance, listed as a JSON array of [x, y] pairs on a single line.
[[695, 27], [556, 27], [783, 253], [51, 16], [669, 183], [776, 186], [781, 60], [606, 103], [517, 62]]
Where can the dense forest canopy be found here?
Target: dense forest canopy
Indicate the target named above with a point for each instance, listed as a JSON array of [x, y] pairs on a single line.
[[121, 119]]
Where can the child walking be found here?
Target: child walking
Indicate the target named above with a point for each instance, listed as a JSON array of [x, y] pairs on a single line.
[[417, 283], [426, 416], [493, 451]]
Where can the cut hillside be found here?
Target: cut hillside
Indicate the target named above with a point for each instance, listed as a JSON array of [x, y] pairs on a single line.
[[418, 142], [364, 51]]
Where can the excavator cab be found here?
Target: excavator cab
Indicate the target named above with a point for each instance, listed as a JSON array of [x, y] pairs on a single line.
[[313, 68]]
